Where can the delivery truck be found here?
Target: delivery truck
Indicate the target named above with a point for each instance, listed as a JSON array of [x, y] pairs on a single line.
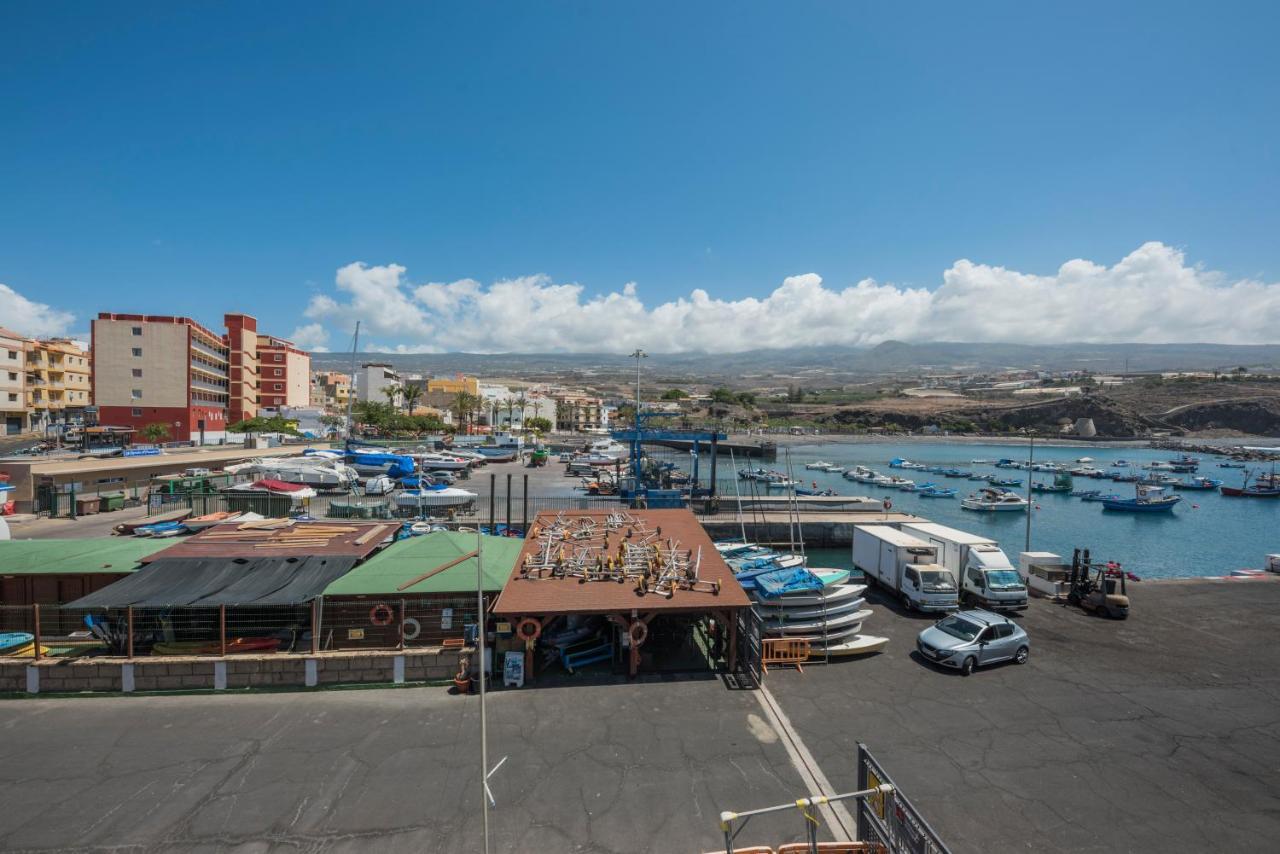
[[982, 572], [905, 566]]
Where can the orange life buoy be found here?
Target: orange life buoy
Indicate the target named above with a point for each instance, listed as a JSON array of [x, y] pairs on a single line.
[[528, 629], [638, 632], [888, 505], [381, 615]]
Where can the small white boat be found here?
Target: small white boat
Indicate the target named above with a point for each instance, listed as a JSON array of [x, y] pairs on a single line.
[[833, 595], [312, 470], [830, 611], [808, 626], [996, 500], [448, 496], [858, 645], [819, 466]]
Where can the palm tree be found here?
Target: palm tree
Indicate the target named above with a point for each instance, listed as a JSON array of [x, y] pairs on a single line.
[[465, 406], [523, 401], [392, 392], [411, 394]]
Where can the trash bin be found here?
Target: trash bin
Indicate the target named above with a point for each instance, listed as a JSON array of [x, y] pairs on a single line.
[[87, 506], [110, 501]]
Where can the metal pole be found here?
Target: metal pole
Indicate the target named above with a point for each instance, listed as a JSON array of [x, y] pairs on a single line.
[[493, 496], [315, 625], [508, 502], [484, 733], [351, 386], [524, 508], [35, 628], [1031, 458], [400, 645], [129, 621], [222, 630]]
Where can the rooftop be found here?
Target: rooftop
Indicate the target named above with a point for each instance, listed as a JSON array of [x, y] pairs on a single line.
[[98, 554], [389, 571], [284, 538], [594, 538]]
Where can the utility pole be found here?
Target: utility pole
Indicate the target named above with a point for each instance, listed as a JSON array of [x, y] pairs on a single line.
[[1031, 458], [635, 446], [484, 728]]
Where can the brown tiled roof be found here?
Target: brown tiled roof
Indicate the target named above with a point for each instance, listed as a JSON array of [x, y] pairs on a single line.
[[300, 539], [543, 596]]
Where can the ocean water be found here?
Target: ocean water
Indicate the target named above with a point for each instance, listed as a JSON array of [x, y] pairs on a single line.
[[1205, 535]]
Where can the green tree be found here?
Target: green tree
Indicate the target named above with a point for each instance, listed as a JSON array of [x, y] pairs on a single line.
[[372, 413], [465, 406], [258, 424], [723, 395], [675, 394], [410, 394], [746, 399], [538, 424], [155, 432], [333, 423], [393, 393]]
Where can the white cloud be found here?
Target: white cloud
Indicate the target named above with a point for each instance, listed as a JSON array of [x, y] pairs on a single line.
[[1150, 296], [311, 336], [31, 318]]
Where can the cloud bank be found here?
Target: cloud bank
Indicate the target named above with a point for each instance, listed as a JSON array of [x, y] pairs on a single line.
[[31, 318], [1150, 296]]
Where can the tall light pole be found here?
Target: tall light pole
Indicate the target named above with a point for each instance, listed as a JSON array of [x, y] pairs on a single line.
[[1031, 458], [635, 445], [638, 355]]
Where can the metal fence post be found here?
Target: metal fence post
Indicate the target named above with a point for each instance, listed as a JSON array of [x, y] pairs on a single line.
[[35, 627], [493, 497], [222, 630], [524, 507], [129, 621], [400, 646], [315, 625], [73, 501], [508, 504]]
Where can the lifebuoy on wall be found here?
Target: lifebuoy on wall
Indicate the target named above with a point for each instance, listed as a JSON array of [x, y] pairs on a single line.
[[412, 628], [528, 629], [381, 614], [638, 632], [888, 505]]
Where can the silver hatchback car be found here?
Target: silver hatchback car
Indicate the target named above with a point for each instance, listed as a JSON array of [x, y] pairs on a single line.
[[967, 639]]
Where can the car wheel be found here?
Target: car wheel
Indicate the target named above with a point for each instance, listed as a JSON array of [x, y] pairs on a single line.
[[906, 602], [969, 664], [1022, 655]]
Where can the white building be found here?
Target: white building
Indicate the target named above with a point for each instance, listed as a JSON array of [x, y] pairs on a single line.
[[372, 378]]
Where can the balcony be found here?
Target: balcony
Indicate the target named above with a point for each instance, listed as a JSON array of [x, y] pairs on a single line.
[[205, 385], [205, 349], [212, 371]]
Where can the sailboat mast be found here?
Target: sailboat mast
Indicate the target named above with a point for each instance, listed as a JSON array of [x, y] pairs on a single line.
[[351, 387]]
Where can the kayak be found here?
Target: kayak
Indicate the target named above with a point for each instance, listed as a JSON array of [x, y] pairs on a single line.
[[234, 646], [814, 612], [13, 640], [832, 596], [790, 627], [858, 645], [27, 650]]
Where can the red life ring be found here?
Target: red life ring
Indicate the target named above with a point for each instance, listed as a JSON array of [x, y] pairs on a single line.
[[528, 629], [888, 505], [638, 632], [381, 614]]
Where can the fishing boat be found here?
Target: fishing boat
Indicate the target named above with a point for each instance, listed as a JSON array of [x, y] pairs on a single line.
[[434, 496], [1231, 465], [1197, 483], [995, 500], [1037, 486], [1003, 482], [936, 492], [1099, 495], [955, 473], [1128, 477], [819, 466], [804, 490], [882, 480], [1263, 486], [901, 483], [1147, 499], [367, 462], [754, 474]]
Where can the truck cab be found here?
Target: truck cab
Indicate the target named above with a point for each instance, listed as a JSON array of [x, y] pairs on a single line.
[[929, 587], [990, 581]]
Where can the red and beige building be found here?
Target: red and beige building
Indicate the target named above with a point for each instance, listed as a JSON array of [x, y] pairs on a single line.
[[157, 369]]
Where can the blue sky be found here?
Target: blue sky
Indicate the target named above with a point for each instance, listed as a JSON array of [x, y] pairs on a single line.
[[197, 158]]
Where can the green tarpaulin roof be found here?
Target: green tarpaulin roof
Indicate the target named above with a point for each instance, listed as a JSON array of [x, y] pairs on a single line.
[[383, 573], [98, 554]]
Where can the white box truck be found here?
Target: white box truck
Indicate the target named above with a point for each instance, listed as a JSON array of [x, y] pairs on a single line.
[[905, 566], [982, 570]]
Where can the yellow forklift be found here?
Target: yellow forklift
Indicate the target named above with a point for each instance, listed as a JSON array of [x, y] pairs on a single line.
[[1098, 587]]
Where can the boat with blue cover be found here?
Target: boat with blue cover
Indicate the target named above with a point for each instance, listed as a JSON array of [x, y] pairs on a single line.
[[936, 492], [1197, 483], [1147, 499]]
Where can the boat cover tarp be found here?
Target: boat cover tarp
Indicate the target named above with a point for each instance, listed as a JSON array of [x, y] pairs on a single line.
[[771, 585], [170, 582]]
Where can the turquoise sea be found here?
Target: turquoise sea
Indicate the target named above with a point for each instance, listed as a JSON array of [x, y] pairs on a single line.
[[1206, 534]]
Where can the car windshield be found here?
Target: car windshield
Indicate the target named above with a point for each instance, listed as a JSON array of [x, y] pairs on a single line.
[[937, 580], [959, 628], [1003, 578]]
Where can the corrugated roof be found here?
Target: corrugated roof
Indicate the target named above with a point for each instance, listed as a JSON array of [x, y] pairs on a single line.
[[408, 559], [547, 595], [170, 582], [97, 554]]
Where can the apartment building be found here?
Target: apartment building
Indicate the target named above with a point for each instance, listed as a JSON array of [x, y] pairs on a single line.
[[578, 412], [330, 389], [456, 385], [372, 378], [174, 371], [57, 383], [285, 374], [13, 382]]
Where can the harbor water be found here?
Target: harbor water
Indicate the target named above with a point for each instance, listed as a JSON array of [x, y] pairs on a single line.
[[1205, 535]]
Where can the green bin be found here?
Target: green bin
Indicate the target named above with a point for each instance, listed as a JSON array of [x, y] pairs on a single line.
[[109, 501]]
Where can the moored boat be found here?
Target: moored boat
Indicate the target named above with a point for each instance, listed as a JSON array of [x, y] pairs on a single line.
[[1147, 499]]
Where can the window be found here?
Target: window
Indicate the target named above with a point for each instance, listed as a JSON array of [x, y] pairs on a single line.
[[13, 354], [1003, 630], [136, 412], [279, 373], [137, 330], [279, 357], [276, 386], [12, 397], [136, 394], [137, 372], [13, 377], [137, 352]]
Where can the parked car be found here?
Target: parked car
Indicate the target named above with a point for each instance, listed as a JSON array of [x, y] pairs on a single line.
[[442, 476], [967, 639]]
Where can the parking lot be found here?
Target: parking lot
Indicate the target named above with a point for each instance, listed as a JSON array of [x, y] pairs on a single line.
[[1155, 734]]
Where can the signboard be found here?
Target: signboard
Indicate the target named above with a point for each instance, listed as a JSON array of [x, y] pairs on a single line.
[[140, 452], [446, 618], [355, 634]]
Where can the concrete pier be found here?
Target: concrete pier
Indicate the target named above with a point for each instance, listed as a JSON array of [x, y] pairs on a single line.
[[830, 529]]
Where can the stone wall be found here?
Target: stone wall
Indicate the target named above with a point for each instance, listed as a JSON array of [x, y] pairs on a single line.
[[67, 676]]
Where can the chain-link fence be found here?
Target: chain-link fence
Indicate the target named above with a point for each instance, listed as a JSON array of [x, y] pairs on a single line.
[[322, 625]]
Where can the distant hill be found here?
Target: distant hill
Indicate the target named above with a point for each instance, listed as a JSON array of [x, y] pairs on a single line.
[[883, 359]]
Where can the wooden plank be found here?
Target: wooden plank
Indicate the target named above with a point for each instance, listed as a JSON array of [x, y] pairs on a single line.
[[367, 535]]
